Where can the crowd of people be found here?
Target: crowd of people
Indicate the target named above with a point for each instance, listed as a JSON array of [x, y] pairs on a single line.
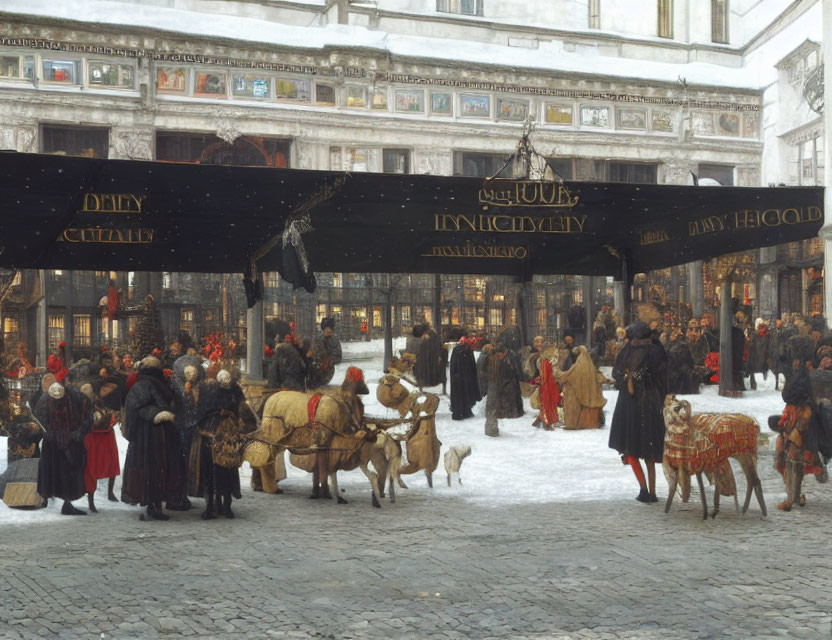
[[178, 407], [182, 412]]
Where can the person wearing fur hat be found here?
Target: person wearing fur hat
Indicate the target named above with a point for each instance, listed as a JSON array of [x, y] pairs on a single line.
[[637, 430], [221, 408], [288, 367], [154, 471], [325, 353], [66, 416]]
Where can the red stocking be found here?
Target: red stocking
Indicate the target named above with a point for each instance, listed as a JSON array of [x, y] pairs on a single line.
[[636, 465]]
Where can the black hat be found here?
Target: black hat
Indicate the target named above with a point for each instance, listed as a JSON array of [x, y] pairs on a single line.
[[418, 330], [328, 322]]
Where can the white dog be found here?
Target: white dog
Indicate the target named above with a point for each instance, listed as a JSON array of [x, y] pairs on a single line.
[[453, 460]]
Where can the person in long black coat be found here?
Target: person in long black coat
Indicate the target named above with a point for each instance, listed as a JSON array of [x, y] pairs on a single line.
[[154, 471], [217, 484], [682, 377], [637, 430], [759, 353], [66, 416], [504, 399], [288, 369], [465, 389], [430, 364]]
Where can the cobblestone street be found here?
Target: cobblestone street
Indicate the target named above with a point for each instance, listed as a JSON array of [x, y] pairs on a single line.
[[288, 567]]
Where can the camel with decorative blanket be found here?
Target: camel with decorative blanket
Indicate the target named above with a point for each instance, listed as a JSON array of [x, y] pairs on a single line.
[[324, 433], [421, 444], [703, 443]]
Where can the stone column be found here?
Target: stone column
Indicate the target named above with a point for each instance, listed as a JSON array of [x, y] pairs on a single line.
[[696, 288], [255, 325], [826, 231]]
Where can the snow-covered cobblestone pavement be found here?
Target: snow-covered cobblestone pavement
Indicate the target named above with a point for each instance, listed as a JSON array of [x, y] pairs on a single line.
[[543, 540]]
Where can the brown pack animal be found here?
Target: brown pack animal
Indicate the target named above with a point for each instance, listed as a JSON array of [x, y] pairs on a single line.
[[703, 443], [325, 432], [421, 444]]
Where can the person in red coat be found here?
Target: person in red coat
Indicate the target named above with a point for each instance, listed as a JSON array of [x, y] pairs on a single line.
[[102, 450], [56, 363]]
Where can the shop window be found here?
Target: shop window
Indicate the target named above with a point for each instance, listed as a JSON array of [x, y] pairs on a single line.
[[56, 331], [272, 280], [75, 141], [463, 7], [186, 320], [495, 317], [634, 172], [722, 173], [564, 167], [320, 313], [479, 165], [396, 161], [104, 328], [719, 21], [376, 316], [594, 14], [11, 331], [81, 334], [356, 96], [665, 27], [337, 280], [17, 67], [108, 74], [198, 148], [324, 95], [62, 71], [405, 315]]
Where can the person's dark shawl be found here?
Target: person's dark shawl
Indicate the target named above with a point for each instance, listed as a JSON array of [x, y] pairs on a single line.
[[504, 399], [465, 389]]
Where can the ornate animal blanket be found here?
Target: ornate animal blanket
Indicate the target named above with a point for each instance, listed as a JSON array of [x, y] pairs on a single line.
[[715, 438]]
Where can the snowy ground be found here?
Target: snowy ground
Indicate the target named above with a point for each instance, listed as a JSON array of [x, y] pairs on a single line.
[[523, 465]]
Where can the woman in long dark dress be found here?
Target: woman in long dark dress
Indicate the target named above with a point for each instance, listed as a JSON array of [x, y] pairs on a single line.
[[219, 401], [637, 431]]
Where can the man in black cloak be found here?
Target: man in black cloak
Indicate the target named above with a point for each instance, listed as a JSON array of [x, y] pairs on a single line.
[[637, 430], [465, 389], [288, 368], [154, 470], [67, 416], [430, 365], [681, 371], [326, 353]]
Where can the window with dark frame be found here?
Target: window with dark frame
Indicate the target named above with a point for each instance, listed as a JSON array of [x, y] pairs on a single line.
[[722, 173], [88, 142], [633, 172], [478, 165], [81, 330], [594, 14], [206, 148], [396, 161], [56, 331], [665, 26], [462, 7], [719, 21]]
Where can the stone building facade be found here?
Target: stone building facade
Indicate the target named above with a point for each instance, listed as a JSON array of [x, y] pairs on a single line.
[[442, 87]]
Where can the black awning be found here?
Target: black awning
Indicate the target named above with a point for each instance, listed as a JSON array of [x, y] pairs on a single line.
[[78, 213]]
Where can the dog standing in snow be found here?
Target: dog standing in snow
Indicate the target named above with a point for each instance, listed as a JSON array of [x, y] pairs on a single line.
[[453, 460]]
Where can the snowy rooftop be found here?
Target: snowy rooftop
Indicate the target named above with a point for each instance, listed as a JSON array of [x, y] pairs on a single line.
[[550, 56]]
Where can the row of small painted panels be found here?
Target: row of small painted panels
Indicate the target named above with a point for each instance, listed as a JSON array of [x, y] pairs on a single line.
[[176, 80]]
